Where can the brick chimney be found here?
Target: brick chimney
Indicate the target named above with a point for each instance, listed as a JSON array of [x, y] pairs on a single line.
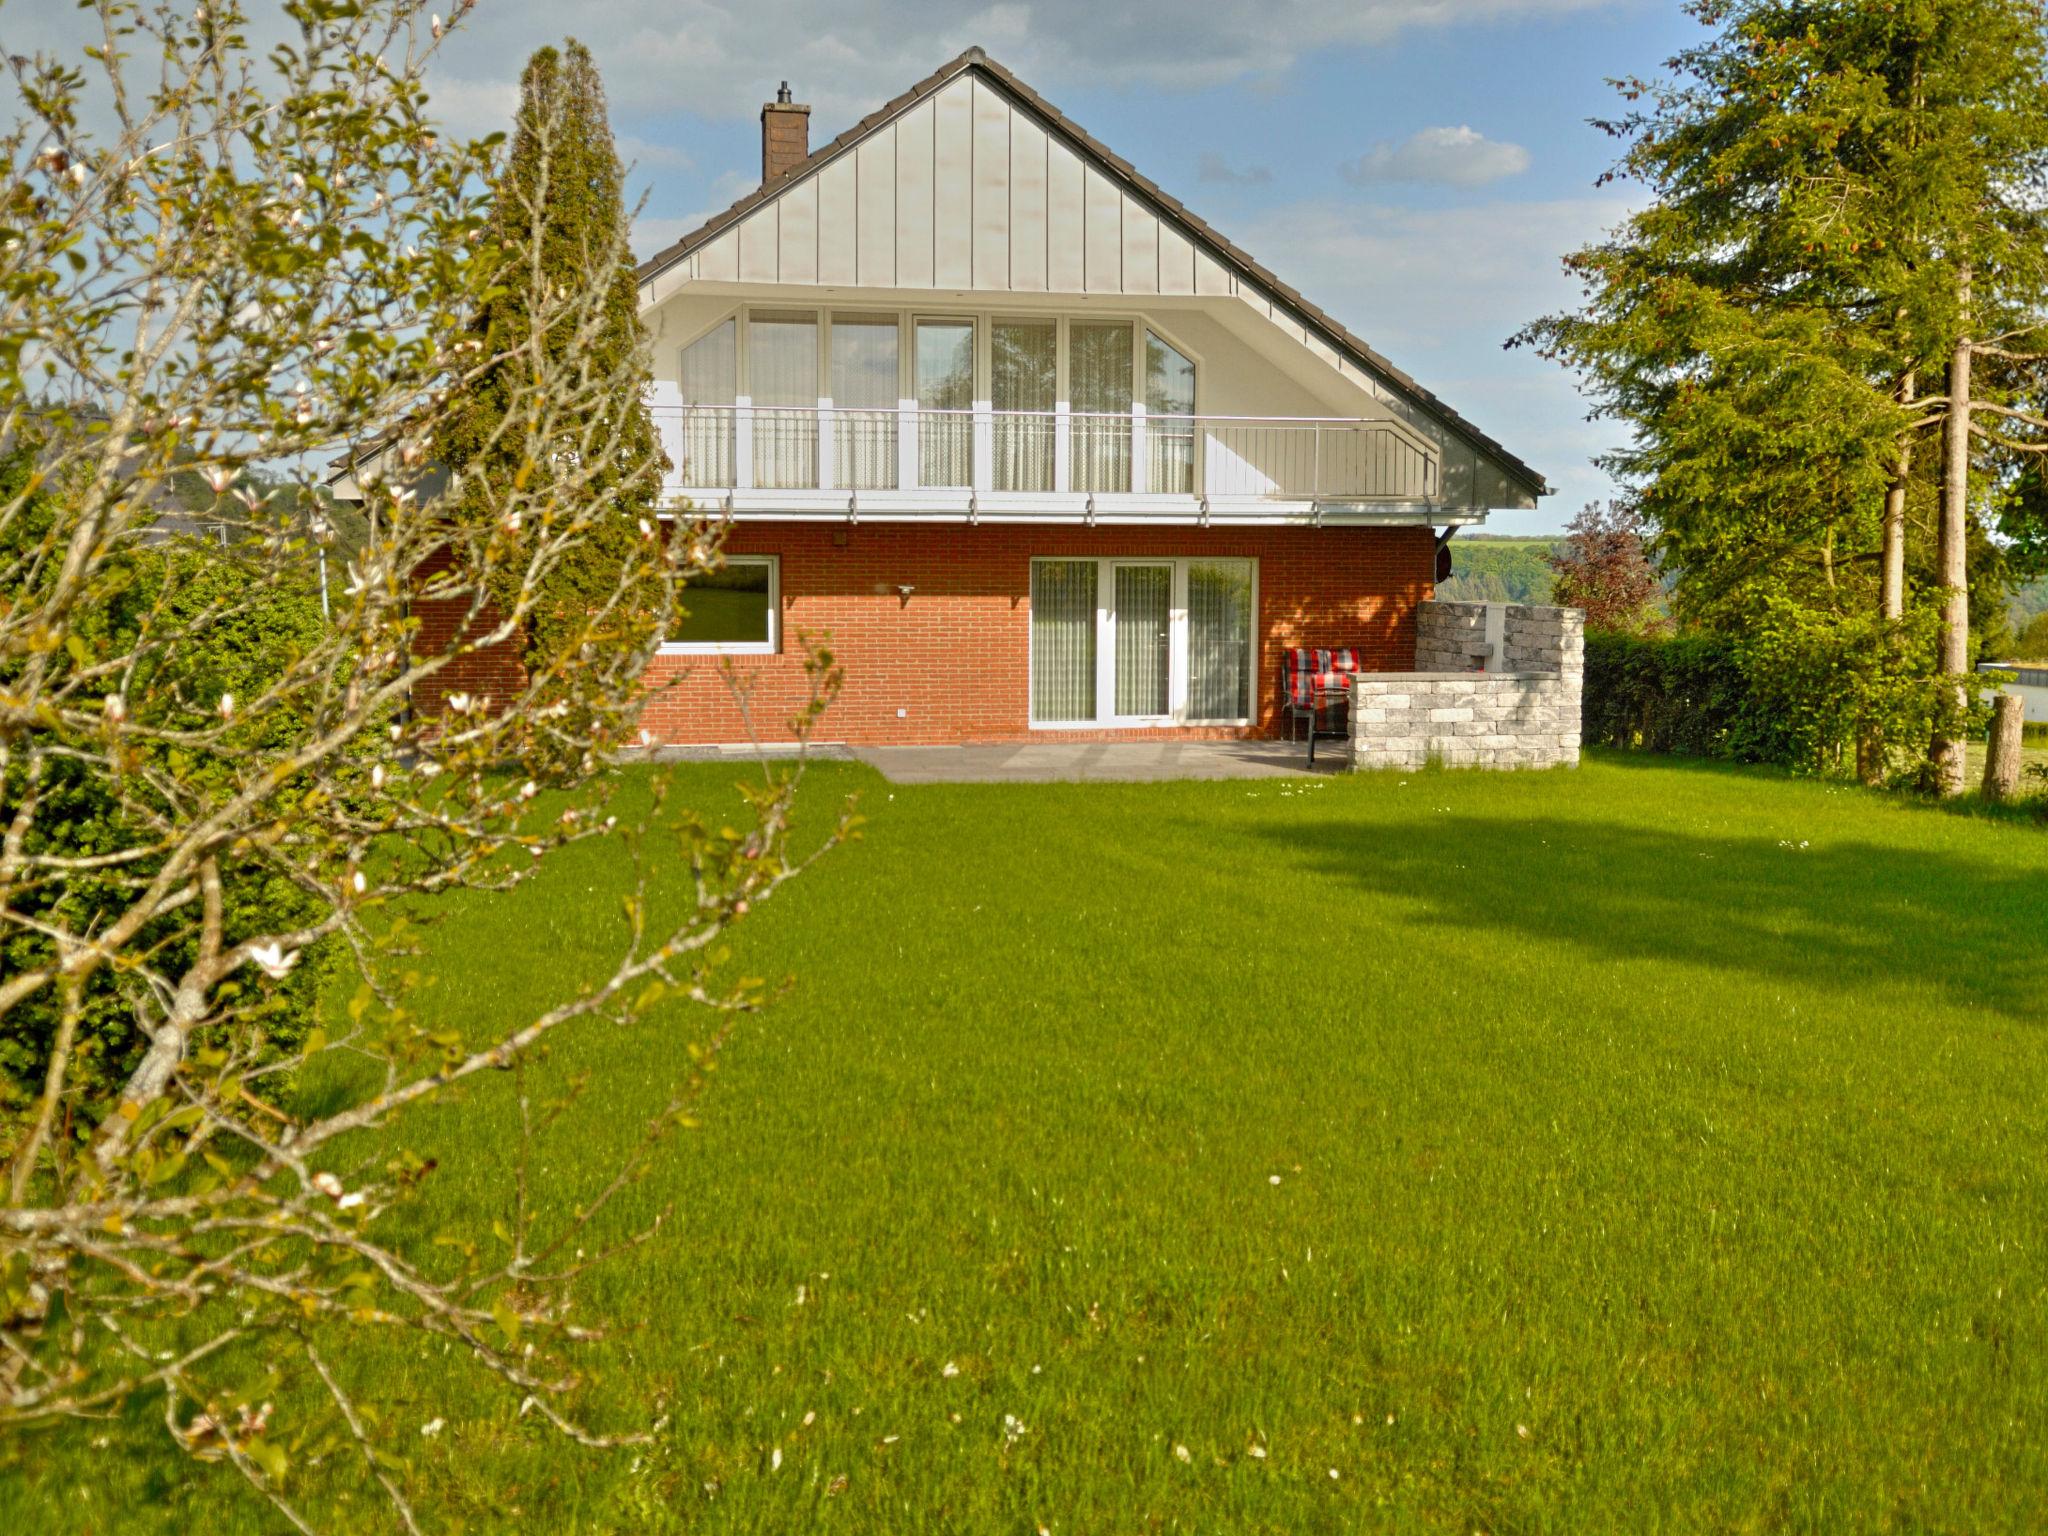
[[785, 135]]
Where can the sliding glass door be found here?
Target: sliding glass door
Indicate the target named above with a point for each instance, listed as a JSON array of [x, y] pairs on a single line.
[[1142, 642], [1142, 617], [1063, 636], [1219, 639]]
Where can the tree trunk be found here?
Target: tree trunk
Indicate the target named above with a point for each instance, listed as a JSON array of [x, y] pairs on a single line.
[[1946, 756], [1892, 592], [2002, 749], [1872, 757]]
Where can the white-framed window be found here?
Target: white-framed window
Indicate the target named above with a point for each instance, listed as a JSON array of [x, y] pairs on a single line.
[[1142, 640], [735, 610]]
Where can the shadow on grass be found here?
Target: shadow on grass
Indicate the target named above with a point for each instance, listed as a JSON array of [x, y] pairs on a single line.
[[1846, 915], [2030, 808]]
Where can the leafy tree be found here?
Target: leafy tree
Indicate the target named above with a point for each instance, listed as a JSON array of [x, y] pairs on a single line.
[[559, 221], [1819, 171], [206, 790], [1601, 567]]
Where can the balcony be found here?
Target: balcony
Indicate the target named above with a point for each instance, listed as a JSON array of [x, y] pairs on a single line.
[[907, 462]]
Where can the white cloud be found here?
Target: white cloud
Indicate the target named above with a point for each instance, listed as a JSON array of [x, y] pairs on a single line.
[[1217, 171], [1449, 157], [648, 155], [723, 58], [473, 108]]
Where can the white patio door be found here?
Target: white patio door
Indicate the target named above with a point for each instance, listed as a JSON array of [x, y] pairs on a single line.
[[1118, 642], [1141, 627]]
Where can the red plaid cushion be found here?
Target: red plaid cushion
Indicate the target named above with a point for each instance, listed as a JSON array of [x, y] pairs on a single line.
[[1314, 671]]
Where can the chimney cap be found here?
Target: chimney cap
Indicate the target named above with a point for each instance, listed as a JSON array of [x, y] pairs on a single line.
[[782, 96]]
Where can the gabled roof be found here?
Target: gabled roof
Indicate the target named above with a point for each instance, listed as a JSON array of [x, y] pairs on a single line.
[[1113, 165]]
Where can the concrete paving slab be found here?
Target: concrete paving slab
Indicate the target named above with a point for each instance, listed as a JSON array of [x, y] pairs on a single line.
[[1112, 761]]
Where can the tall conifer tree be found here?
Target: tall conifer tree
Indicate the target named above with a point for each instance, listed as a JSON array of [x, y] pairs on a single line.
[[559, 219]]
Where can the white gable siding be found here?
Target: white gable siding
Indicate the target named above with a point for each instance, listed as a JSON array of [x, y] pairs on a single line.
[[964, 191], [1029, 187]]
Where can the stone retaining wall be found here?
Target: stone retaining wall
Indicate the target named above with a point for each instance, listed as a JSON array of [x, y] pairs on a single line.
[[1499, 688]]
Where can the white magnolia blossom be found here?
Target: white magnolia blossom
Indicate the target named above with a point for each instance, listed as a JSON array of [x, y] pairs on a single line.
[[274, 960]]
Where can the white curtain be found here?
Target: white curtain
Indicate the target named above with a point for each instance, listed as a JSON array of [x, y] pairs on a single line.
[[1169, 417], [1062, 640], [1024, 358], [1144, 604], [864, 397], [782, 370], [1219, 639], [710, 380], [945, 399], [1099, 379]]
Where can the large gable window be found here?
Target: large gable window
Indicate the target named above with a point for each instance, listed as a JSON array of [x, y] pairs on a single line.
[[1099, 373], [1169, 415], [809, 400], [730, 611], [865, 386], [710, 384], [782, 374], [945, 402], [1024, 380]]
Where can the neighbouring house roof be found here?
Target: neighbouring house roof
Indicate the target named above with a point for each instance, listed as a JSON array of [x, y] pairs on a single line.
[[1162, 203]]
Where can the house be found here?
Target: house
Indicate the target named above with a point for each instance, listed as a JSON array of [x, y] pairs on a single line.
[[2029, 685], [1042, 451]]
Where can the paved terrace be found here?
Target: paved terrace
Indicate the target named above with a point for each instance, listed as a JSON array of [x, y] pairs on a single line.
[[1032, 762], [1029, 762]]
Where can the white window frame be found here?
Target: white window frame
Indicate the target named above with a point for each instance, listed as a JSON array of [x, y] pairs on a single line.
[[772, 646], [1106, 719]]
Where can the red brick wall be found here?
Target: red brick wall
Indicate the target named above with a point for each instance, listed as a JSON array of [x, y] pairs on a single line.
[[491, 672], [955, 654]]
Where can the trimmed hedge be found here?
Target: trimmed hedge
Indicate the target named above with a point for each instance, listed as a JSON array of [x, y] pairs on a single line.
[[1686, 694]]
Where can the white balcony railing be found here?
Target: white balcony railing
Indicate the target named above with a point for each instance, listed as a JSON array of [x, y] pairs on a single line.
[[720, 448]]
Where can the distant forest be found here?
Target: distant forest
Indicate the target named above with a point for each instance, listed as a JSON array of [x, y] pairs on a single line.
[[1499, 568], [1494, 568], [2028, 602]]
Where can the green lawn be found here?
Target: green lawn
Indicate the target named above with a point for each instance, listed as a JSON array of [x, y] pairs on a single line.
[[1649, 1148]]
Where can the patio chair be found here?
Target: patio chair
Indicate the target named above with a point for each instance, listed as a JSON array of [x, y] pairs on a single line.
[[1315, 693]]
